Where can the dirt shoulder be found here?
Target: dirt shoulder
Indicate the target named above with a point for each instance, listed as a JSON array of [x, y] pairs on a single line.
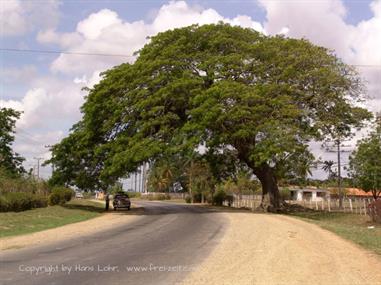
[[274, 249], [102, 223]]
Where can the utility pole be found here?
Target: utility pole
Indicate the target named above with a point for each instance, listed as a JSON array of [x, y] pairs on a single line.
[[144, 178], [135, 182], [339, 174], [38, 166], [339, 178], [140, 179]]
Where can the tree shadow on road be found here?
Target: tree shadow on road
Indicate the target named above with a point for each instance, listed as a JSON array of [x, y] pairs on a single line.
[[89, 208]]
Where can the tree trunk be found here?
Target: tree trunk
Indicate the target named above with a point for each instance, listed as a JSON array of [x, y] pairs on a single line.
[[271, 200]]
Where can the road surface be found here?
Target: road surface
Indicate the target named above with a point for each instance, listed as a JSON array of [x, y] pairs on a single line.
[[160, 247]]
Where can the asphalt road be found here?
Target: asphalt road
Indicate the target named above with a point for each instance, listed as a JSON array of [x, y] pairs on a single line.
[[161, 247]]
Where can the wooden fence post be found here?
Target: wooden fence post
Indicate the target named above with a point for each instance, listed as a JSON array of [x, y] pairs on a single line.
[[350, 204], [364, 207]]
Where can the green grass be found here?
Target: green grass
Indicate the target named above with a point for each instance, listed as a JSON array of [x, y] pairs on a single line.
[[349, 226], [12, 224]]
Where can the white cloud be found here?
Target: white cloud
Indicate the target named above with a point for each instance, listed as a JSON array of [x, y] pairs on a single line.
[[45, 107], [105, 32], [17, 74], [93, 26], [18, 17], [323, 23]]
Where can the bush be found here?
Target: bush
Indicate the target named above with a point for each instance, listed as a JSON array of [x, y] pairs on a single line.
[[134, 194], [55, 199], [219, 197], [374, 211], [188, 199], [156, 196], [229, 198], [39, 201], [285, 194], [60, 195], [88, 195], [20, 201]]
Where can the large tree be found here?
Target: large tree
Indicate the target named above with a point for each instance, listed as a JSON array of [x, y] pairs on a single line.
[[365, 163], [230, 89], [10, 161]]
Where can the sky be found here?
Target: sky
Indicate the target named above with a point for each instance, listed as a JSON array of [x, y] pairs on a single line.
[[46, 84]]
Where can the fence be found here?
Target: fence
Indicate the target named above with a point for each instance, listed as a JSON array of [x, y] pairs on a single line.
[[350, 204]]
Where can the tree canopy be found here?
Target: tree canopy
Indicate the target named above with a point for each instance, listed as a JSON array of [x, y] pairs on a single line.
[[10, 161], [230, 89], [365, 163]]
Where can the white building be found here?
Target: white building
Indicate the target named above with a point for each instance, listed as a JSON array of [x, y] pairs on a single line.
[[313, 194]]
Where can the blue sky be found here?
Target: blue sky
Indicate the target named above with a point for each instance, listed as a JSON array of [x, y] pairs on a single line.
[[47, 87]]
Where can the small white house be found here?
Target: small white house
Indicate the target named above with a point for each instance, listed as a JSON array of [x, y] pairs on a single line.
[[313, 194]]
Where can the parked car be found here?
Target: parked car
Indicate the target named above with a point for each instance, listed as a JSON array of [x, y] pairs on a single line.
[[78, 195], [121, 201]]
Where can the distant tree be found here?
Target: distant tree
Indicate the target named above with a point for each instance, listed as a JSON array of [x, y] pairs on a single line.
[[327, 167], [161, 176], [365, 163], [10, 161]]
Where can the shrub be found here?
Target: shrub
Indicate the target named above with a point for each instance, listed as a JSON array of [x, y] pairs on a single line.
[[285, 194], [188, 199], [20, 201], [374, 211], [197, 197], [219, 197], [60, 195], [156, 196], [134, 194], [88, 195], [39, 201], [229, 198]]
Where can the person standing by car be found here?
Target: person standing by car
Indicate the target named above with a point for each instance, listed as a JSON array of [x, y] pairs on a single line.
[[107, 201]]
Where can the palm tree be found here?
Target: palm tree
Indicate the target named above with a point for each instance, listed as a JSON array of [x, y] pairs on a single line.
[[327, 167]]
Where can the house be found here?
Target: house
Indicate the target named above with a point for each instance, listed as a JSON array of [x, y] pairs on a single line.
[[313, 194]]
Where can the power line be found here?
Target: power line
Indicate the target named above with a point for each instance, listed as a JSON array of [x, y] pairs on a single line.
[[64, 52], [115, 55]]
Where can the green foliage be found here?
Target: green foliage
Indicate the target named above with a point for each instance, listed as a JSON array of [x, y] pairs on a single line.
[[365, 163], [156, 196], [161, 175], [188, 199], [219, 197], [116, 188], [55, 199], [285, 194], [242, 184], [258, 98], [134, 194], [60, 195], [21, 201], [10, 161]]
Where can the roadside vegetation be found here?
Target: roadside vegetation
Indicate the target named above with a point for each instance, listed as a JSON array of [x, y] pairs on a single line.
[[19, 190], [356, 228], [12, 224]]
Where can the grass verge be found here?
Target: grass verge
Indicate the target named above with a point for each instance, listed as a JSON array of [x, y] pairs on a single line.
[[12, 224], [349, 226]]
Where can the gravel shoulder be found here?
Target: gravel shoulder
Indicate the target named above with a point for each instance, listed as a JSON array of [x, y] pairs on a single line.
[[275, 249]]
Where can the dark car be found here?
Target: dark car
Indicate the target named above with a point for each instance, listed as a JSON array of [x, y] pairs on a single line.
[[121, 201]]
